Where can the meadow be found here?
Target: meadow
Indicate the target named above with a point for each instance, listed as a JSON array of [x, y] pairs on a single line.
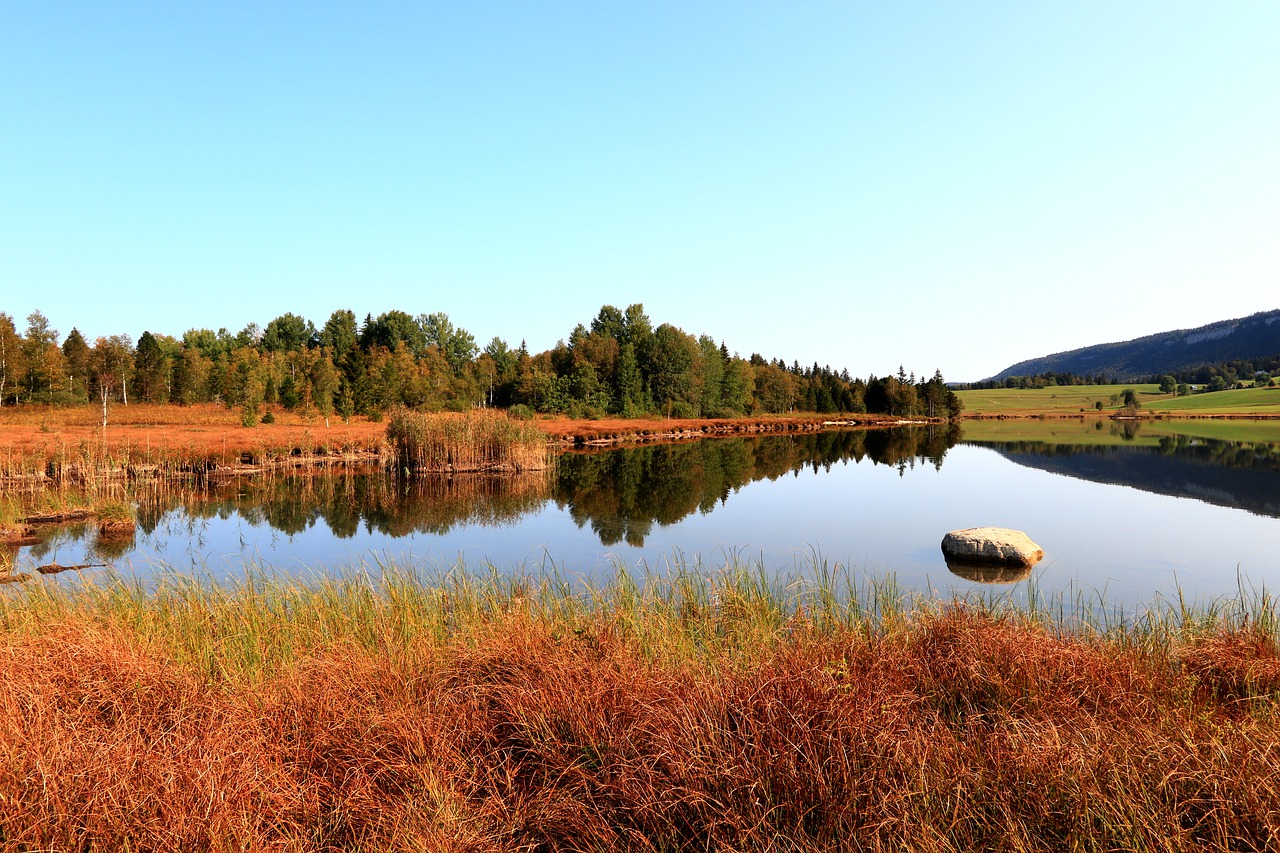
[[1060, 400], [1237, 400], [709, 708]]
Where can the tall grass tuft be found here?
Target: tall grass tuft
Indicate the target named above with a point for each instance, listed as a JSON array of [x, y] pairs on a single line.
[[480, 440], [696, 707]]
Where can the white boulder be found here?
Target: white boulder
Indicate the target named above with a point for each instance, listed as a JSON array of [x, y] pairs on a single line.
[[992, 545]]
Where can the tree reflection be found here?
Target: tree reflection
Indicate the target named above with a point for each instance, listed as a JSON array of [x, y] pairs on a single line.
[[348, 502], [621, 494]]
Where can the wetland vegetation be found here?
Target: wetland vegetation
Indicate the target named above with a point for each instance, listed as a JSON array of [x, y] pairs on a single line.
[[716, 707]]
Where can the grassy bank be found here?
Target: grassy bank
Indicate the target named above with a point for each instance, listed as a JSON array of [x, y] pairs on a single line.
[[701, 710]]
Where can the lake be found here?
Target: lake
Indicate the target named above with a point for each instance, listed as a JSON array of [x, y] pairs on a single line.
[[1126, 512]]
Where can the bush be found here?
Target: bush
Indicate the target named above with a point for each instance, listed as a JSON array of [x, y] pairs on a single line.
[[520, 412], [683, 410], [268, 418]]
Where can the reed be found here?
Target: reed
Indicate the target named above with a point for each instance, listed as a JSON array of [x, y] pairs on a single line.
[[707, 707], [43, 448], [480, 440]]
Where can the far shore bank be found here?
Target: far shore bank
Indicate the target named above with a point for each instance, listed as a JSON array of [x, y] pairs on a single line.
[[568, 432], [42, 446]]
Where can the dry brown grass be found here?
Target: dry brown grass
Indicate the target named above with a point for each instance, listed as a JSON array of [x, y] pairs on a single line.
[[43, 443], [455, 717]]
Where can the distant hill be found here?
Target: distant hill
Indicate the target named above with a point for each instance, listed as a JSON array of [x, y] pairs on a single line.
[[1257, 336]]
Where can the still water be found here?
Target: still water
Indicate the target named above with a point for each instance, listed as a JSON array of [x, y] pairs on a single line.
[[1125, 512]]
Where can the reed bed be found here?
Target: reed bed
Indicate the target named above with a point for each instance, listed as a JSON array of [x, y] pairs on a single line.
[[89, 463], [479, 440], [396, 709], [43, 448]]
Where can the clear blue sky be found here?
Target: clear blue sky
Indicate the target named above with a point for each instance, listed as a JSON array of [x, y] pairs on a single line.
[[861, 184]]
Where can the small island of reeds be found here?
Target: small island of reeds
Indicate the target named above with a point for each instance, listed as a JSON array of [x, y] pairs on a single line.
[[479, 440]]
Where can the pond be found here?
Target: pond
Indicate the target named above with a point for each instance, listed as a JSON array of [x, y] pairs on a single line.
[[1125, 511]]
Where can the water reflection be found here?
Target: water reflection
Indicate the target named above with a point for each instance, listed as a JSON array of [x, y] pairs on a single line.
[[1236, 474], [622, 494], [349, 504], [988, 572], [880, 500]]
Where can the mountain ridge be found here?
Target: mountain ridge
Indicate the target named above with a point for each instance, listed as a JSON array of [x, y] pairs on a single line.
[[1255, 336]]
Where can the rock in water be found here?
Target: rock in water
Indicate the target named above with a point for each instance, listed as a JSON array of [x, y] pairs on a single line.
[[994, 545]]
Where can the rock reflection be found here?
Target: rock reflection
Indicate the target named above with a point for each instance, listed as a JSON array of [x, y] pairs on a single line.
[[988, 572]]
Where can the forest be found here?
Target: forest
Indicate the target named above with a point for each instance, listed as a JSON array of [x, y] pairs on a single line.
[[618, 365]]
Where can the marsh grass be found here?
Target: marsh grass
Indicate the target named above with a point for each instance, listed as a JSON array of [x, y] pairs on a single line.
[[479, 440], [62, 447], [695, 707]]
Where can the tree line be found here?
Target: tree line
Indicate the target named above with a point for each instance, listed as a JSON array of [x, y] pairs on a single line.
[[1048, 379], [1237, 373], [617, 365]]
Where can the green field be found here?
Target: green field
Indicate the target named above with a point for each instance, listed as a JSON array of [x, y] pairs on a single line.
[[1078, 399], [1057, 399], [1239, 400], [1054, 431]]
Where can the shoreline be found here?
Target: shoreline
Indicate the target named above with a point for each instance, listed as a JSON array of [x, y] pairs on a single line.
[[51, 447], [569, 433], [42, 448]]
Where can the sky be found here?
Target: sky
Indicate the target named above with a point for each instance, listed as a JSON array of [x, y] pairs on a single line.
[[863, 185]]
